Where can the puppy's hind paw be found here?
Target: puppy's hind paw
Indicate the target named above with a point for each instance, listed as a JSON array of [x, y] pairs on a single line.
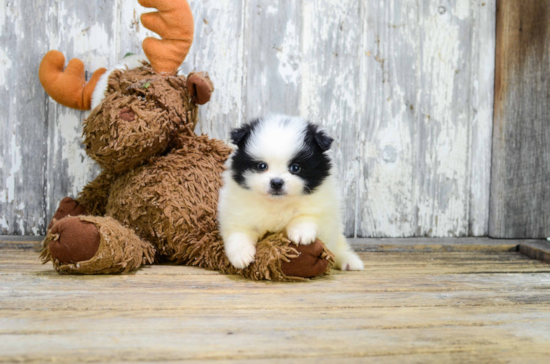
[[240, 250], [349, 261]]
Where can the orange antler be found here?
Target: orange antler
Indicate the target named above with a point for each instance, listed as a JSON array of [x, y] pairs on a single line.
[[69, 87], [174, 23]]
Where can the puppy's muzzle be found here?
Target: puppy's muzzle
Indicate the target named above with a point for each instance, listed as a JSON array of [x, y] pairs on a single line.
[[277, 185]]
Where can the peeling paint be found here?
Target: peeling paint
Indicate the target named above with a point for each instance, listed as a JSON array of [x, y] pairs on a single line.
[[15, 165], [78, 164], [391, 80], [289, 63], [5, 67]]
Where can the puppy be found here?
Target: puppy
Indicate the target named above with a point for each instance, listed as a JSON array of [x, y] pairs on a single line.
[[280, 178]]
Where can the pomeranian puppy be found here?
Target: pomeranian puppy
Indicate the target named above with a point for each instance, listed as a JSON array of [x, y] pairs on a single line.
[[281, 178]]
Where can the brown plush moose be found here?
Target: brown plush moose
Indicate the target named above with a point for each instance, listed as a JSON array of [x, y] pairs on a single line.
[[156, 199]]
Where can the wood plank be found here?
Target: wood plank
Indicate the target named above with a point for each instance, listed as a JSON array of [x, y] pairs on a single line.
[[179, 335], [171, 346], [364, 245], [391, 283], [520, 187], [482, 102], [23, 120], [418, 120], [330, 89], [536, 250], [273, 56], [387, 123], [434, 245]]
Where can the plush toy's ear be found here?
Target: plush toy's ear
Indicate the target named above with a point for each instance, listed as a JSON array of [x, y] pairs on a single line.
[[323, 140], [239, 136]]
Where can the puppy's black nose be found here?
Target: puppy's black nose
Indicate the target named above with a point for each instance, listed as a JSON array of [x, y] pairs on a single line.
[[277, 183]]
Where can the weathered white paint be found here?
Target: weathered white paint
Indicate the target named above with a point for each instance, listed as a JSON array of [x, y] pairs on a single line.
[[330, 89], [274, 57], [481, 131], [405, 87], [22, 126], [422, 74]]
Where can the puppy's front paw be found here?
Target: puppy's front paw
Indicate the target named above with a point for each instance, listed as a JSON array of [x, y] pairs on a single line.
[[349, 261], [302, 234], [240, 250]]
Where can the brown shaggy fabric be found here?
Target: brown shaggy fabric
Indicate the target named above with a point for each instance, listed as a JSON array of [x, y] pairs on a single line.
[[96, 193], [157, 105], [67, 207], [76, 240], [172, 201], [120, 250]]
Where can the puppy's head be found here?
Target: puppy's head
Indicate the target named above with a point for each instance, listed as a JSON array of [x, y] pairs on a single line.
[[280, 156]]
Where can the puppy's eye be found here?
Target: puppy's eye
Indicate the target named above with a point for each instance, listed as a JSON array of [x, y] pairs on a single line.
[[262, 166], [295, 168]]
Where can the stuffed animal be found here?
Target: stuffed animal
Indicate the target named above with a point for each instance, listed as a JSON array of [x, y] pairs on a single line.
[[156, 199]]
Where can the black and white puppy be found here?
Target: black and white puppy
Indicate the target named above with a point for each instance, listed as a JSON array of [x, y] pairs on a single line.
[[280, 178]]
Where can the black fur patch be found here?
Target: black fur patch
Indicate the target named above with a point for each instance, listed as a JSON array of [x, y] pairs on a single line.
[[239, 136], [242, 161], [314, 162]]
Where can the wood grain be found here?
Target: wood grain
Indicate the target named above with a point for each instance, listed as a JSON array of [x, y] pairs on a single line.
[[427, 307], [405, 87], [520, 187], [23, 117], [273, 56], [331, 87], [537, 249], [423, 64]]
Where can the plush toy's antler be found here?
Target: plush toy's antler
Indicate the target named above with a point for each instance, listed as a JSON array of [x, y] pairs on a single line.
[[69, 87], [174, 23]]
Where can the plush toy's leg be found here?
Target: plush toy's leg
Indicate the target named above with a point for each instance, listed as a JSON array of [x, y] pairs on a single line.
[[96, 193], [277, 258], [94, 245], [67, 207]]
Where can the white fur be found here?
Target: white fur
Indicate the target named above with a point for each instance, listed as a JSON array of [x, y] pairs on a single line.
[[245, 215], [129, 62]]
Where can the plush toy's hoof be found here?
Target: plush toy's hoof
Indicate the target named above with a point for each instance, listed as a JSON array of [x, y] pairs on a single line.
[[77, 240], [310, 263], [94, 245], [200, 87], [67, 207]]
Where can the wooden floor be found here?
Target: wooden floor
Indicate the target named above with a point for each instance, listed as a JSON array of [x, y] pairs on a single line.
[[432, 305]]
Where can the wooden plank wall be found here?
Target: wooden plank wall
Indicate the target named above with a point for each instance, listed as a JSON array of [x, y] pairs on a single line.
[[405, 87], [521, 141]]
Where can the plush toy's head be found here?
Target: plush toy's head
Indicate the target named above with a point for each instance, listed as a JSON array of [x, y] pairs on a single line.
[[140, 105]]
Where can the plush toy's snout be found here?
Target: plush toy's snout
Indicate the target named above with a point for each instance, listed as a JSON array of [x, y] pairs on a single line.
[[200, 87]]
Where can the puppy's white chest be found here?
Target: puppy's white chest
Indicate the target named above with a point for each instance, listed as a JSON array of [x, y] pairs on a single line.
[[274, 218]]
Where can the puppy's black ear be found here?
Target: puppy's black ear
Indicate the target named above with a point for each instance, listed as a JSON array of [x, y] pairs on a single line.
[[239, 136], [323, 140]]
